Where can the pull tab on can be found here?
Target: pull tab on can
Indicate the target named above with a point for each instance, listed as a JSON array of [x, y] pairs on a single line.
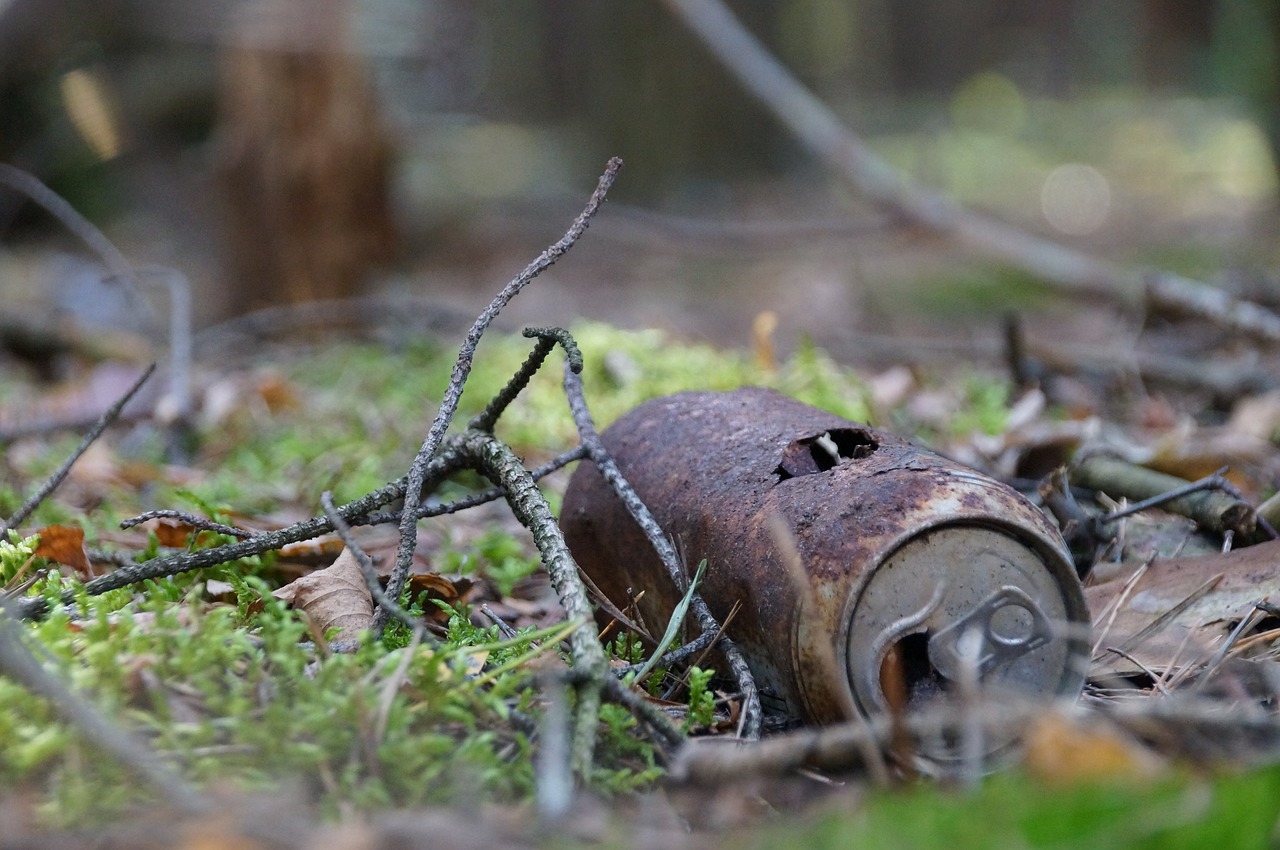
[[1005, 627], [860, 563]]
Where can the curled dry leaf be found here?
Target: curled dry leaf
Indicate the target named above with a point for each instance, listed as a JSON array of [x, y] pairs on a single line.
[[449, 591], [65, 544], [335, 598]]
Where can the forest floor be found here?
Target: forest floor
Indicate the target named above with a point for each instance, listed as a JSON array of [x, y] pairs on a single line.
[[987, 368]]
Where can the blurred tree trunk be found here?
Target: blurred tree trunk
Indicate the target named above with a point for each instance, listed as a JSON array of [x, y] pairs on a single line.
[[305, 156]]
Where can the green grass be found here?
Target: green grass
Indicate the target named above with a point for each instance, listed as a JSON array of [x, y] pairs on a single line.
[[1012, 810]]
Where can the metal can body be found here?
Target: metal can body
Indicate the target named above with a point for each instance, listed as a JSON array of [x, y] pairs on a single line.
[[845, 547]]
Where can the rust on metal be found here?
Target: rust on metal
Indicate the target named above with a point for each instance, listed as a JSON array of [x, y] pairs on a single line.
[[850, 550]]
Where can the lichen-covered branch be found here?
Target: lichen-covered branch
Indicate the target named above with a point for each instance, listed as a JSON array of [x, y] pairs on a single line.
[[496, 461], [547, 338], [590, 438], [447, 461], [462, 368]]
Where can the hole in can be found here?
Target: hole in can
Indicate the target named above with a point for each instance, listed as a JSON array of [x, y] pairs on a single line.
[[821, 452], [908, 679]]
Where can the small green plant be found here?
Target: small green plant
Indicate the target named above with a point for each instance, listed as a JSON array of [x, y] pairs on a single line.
[[16, 554], [702, 700]]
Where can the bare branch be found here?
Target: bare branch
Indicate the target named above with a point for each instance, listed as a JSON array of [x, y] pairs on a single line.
[[60, 473], [666, 552], [547, 340], [53, 203], [476, 499], [495, 460], [462, 368], [366, 569], [448, 460], [817, 126], [190, 519]]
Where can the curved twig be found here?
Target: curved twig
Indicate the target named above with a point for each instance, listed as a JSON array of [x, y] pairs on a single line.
[[60, 473], [496, 461], [547, 338], [461, 369], [751, 711], [367, 570]]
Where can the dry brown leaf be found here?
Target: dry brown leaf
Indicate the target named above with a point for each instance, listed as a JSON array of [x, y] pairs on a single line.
[[436, 586], [1247, 576], [65, 545], [1061, 750], [172, 533], [335, 598]]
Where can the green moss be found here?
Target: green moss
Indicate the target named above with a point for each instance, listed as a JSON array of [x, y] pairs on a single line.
[[234, 693]]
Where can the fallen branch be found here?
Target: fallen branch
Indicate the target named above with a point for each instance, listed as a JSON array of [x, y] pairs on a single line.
[[446, 462], [461, 369], [60, 473], [818, 127], [367, 570], [1212, 502], [494, 459], [590, 438]]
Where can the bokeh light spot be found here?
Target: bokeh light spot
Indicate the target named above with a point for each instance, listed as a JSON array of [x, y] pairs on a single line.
[[1075, 199]]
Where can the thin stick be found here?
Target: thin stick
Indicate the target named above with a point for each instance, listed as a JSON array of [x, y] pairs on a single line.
[[1156, 681], [590, 438], [60, 473], [367, 570], [53, 203], [483, 497], [818, 127], [639, 705], [495, 460], [1247, 622], [1169, 616], [547, 338], [1116, 604], [190, 519], [461, 369], [448, 460]]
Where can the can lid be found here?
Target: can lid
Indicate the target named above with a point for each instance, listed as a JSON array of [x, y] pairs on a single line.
[[961, 600]]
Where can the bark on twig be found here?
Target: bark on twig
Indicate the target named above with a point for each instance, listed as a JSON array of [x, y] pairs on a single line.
[[818, 127], [367, 570], [548, 339], [60, 473], [590, 439], [190, 519], [447, 461], [462, 368], [1212, 509], [495, 460]]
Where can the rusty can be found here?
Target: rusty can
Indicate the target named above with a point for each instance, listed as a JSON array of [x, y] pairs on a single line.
[[846, 547]]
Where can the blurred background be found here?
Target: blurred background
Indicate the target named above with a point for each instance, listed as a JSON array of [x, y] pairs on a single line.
[[280, 152]]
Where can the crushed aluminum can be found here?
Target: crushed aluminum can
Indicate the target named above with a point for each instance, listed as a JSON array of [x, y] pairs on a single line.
[[850, 550]]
